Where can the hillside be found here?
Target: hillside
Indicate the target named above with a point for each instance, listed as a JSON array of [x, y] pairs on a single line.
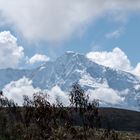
[[120, 119]]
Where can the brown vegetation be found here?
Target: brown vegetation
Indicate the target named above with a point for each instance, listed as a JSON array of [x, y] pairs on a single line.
[[39, 120]]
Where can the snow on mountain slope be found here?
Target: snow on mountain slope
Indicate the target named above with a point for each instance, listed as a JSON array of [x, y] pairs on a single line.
[[113, 87]]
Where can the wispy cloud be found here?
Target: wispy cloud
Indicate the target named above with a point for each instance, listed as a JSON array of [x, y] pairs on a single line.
[[114, 34], [54, 20]]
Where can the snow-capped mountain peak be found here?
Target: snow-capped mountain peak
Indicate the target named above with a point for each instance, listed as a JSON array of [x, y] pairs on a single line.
[[118, 87]]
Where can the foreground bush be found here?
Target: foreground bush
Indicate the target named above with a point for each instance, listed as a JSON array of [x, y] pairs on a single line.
[[40, 120]]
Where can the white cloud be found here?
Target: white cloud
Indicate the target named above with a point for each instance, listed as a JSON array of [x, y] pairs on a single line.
[[106, 95], [38, 58], [115, 59], [16, 89], [10, 52], [55, 20], [137, 69], [115, 34], [57, 93]]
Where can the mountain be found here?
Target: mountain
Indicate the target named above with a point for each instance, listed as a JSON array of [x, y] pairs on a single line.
[[114, 88]]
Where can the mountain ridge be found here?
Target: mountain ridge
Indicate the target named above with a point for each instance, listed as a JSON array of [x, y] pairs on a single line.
[[94, 78]]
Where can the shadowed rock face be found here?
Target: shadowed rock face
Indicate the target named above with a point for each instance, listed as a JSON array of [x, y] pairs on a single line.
[[73, 67]]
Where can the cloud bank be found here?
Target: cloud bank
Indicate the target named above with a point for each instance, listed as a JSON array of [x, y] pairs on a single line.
[[16, 89], [106, 96], [55, 21], [10, 53]]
